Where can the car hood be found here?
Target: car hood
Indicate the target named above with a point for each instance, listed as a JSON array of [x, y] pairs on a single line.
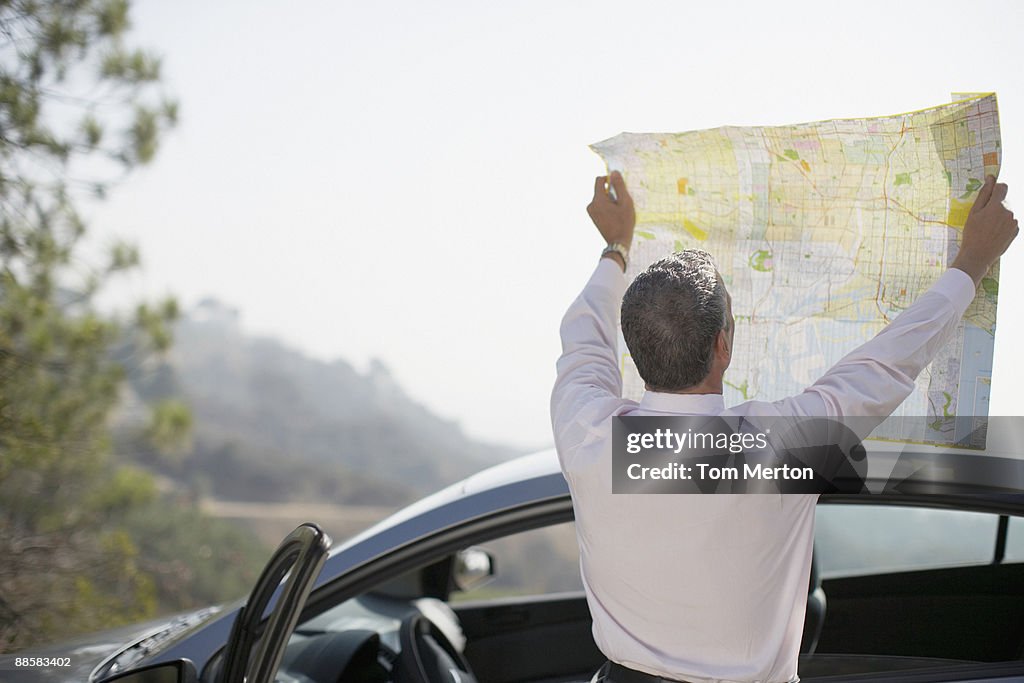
[[84, 654]]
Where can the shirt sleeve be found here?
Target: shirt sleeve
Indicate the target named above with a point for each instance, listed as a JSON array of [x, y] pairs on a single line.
[[588, 388], [873, 379]]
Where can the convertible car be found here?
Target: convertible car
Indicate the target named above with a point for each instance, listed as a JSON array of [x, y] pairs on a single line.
[[905, 586]]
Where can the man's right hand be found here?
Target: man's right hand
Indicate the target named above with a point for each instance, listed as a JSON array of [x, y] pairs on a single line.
[[989, 229], [614, 218]]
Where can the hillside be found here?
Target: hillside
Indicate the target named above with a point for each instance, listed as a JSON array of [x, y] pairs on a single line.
[[271, 424]]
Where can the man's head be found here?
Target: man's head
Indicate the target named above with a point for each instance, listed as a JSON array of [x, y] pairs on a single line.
[[677, 322]]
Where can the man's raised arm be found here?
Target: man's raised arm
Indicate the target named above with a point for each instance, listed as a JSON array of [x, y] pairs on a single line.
[[875, 378], [589, 383]]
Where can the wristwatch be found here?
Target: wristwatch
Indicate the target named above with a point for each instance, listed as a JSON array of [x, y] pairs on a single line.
[[619, 249]]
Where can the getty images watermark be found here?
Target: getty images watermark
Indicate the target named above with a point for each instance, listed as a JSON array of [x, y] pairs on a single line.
[[731, 454]]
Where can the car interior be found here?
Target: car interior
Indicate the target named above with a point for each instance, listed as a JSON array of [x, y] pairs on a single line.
[[870, 610]]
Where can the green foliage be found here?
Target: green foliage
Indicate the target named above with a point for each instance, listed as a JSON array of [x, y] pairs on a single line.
[[194, 560], [78, 108], [128, 489], [153, 322], [170, 427]]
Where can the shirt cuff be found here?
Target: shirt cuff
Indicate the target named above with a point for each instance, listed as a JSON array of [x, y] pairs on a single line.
[[608, 274], [958, 287]]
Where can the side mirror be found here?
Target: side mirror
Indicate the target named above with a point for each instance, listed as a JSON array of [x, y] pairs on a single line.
[[178, 671], [473, 568]]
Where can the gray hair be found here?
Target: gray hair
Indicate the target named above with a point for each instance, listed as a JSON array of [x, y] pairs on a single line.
[[671, 316]]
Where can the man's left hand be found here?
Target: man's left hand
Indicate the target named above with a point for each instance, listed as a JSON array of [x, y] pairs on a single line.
[[614, 218]]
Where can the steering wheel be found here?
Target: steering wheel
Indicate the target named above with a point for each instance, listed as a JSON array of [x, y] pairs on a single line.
[[428, 656]]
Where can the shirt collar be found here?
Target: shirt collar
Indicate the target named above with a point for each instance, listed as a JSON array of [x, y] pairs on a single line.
[[686, 404]]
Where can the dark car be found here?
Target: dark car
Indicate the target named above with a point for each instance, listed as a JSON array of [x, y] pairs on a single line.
[[906, 586]]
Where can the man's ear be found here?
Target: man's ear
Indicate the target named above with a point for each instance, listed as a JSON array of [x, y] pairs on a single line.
[[722, 347]]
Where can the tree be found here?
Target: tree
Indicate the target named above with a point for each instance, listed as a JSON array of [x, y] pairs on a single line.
[[78, 110]]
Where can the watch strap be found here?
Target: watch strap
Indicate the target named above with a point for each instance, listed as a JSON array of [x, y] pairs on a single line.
[[619, 249]]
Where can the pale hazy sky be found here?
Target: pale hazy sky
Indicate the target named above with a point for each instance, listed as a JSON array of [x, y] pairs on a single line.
[[407, 180]]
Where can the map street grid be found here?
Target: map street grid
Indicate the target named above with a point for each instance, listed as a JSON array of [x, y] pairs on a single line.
[[823, 233]]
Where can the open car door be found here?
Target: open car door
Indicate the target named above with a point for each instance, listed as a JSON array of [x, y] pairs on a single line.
[[254, 649]]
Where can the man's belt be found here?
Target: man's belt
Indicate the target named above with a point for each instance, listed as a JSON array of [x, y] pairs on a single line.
[[616, 673]]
